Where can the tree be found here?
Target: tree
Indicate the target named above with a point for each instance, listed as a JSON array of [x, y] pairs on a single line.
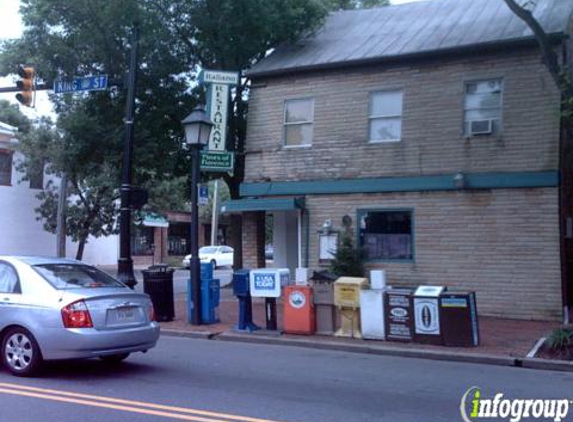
[[356, 4], [348, 260], [558, 71], [234, 35]]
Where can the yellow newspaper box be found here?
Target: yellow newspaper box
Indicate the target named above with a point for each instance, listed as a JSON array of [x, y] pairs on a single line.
[[347, 291], [347, 298]]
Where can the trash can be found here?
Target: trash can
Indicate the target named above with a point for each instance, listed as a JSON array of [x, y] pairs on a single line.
[[459, 319], [158, 284], [210, 301], [427, 315], [299, 316], [398, 314]]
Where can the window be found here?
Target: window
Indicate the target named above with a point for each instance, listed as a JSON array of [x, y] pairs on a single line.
[[70, 276], [482, 107], [142, 240], [36, 177], [5, 167], [298, 121], [385, 116], [386, 235], [9, 282]]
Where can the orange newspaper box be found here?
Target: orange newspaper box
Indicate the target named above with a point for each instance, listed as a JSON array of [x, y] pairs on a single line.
[[299, 316]]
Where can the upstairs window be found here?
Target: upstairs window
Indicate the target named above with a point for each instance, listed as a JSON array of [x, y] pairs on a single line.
[[482, 108], [385, 116], [5, 167], [298, 122]]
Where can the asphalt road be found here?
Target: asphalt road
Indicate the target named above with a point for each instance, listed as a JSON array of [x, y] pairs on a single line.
[[199, 380]]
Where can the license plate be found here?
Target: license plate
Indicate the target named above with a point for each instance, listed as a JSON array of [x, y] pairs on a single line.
[[122, 316], [125, 315]]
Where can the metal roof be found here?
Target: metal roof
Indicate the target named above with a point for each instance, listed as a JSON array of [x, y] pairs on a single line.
[[394, 32]]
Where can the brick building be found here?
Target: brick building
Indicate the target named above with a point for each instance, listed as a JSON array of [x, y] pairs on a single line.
[[432, 131]]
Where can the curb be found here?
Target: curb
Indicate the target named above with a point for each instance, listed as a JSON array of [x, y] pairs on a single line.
[[201, 335], [476, 358], [370, 349]]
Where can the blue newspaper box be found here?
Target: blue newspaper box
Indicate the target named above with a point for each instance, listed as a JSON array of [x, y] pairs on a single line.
[[206, 271], [241, 283], [210, 290]]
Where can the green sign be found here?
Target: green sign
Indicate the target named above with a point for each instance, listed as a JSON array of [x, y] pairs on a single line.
[[217, 161]]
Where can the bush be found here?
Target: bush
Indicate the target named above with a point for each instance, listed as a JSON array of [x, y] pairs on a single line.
[[560, 339]]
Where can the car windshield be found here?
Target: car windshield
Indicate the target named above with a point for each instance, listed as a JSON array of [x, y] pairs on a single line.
[[65, 276], [208, 249]]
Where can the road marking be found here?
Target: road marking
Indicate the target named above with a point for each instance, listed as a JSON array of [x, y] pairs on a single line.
[[133, 406]]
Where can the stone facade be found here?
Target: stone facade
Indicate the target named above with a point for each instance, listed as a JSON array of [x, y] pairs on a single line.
[[502, 243], [432, 121]]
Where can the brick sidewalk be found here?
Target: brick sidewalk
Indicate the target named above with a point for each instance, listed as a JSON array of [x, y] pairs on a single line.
[[499, 337]]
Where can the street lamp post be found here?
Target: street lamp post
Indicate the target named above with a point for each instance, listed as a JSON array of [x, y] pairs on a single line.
[[197, 130]]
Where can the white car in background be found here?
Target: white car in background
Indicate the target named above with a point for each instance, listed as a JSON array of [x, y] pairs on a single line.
[[219, 256]]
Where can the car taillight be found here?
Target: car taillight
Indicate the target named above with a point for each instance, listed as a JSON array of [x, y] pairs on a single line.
[[152, 316], [76, 315]]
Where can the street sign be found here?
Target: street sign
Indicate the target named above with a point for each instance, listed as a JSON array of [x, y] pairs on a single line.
[[203, 195], [88, 83], [217, 161], [219, 77]]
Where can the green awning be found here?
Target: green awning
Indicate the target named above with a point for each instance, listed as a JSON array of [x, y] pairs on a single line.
[[154, 220], [266, 204]]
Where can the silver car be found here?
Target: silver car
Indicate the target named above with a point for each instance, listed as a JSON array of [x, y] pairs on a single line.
[[52, 308]]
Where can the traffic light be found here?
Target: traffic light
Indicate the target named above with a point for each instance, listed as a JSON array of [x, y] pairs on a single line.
[[25, 85]]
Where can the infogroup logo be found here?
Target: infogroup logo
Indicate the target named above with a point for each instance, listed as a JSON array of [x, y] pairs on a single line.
[[474, 407]]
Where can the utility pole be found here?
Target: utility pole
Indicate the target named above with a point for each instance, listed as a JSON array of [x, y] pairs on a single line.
[[215, 217], [125, 263], [61, 220]]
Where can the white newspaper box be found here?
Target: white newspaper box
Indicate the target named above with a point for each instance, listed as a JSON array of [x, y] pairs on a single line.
[[427, 314], [267, 282], [372, 314]]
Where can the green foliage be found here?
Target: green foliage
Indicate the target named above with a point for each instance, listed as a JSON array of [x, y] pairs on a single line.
[[356, 4], [560, 339], [11, 115], [348, 260]]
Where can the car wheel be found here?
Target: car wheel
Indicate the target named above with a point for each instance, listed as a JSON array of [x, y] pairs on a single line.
[[21, 354], [214, 264], [113, 359]]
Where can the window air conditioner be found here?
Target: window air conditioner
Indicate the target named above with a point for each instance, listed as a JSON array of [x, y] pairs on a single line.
[[481, 127]]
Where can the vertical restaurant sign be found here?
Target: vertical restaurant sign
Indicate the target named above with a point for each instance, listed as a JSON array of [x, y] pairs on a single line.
[[218, 83], [218, 107]]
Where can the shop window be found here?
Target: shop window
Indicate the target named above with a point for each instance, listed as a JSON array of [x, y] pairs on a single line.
[[5, 167], [142, 240], [482, 108], [298, 122], [386, 234], [385, 116]]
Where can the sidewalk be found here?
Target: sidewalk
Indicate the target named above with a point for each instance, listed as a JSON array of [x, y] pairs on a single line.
[[502, 341]]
